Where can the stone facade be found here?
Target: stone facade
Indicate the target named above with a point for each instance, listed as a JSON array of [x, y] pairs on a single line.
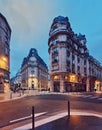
[[15, 82], [5, 34], [71, 66], [34, 72]]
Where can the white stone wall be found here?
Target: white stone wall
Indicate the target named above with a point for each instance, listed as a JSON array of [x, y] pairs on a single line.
[[71, 61], [76, 64], [62, 59]]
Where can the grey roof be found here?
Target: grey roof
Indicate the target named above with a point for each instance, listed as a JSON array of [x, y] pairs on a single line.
[[60, 19], [33, 52], [5, 21]]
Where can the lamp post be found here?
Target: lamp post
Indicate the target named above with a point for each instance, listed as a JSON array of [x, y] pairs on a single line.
[[1, 81]]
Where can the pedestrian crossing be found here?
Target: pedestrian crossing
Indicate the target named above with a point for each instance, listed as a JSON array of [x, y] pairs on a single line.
[[88, 96]]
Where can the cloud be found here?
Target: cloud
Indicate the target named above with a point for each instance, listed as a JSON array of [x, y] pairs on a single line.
[[29, 21], [27, 16]]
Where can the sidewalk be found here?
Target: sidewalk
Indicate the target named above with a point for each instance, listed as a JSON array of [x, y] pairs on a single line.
[[10, 96], [74, 123], [77, 121]]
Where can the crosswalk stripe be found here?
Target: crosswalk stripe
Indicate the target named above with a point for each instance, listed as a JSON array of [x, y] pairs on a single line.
[[99, 98], [86, 96], [94, 97]]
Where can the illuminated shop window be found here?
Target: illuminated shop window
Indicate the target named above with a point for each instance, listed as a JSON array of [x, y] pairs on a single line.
[[56, 77], [73, 78]]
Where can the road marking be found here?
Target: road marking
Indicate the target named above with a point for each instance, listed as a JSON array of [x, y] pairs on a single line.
[[86, 96], [86, 114], [99, 98], [55, 117], [83, 96], [43, 121], [94, 97], [27, 117], [77, 95]]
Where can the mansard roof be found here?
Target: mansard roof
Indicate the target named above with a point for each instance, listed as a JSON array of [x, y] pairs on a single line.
[[33, 53], [3, 17], [92, 59], [60, 19], [80, 36]]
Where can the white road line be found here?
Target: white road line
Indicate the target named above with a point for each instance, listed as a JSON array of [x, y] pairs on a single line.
[[43, 121], [86, 96], [77, 95], [83, 96], [99, 98], [94, 97], [55, 117], [27, 117], [87, 114]]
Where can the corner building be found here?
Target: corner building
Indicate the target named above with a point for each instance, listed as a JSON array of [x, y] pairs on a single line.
[[34, 72], [72, 69], [5, 35]]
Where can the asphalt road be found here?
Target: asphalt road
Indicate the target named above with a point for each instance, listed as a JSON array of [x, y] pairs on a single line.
[[50, 103]]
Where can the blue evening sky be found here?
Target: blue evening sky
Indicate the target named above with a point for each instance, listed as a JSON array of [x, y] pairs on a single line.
[[30, 21]]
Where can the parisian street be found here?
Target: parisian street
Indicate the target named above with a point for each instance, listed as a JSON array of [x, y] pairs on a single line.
[[52, 104]]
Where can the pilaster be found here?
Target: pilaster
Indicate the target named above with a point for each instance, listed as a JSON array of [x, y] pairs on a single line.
[[88, 85], [62, 85]]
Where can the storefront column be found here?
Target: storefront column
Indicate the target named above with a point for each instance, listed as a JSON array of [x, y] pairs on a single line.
[[51, 86], [101, 87], [88, 85], [62, 85]]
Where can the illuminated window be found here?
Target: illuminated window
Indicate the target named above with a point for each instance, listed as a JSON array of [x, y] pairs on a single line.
[[56, 77], [4, 63], [6, 51], [73, 78]]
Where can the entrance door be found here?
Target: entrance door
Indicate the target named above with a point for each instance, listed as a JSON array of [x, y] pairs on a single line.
[[56, 87], [33, 86]]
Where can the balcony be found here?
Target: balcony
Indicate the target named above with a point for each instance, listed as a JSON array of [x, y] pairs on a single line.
[[55, 53], [55, 61], [61, 29]]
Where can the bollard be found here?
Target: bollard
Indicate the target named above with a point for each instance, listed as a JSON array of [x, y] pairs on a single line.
[[10, 95], [20, 93], [33, 120], [68, 109]]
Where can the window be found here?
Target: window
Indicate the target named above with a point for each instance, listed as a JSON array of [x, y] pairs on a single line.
[[78, 68], [55, 59], [68, 53], [84, 62], [55, 51], [55, 67], [32, 71], [73, 56], [56, 77], [6, 76], [73, 68], [78, 59], [6, 51]]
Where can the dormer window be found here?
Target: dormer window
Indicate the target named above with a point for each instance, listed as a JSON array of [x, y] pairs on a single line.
[[32, 59]]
